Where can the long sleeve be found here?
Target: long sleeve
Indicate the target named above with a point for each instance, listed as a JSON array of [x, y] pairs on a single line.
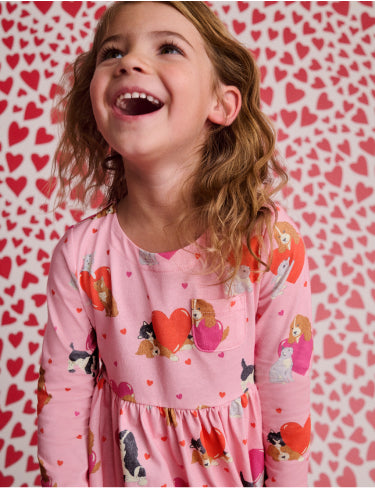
[[283, 357], [67, 376]]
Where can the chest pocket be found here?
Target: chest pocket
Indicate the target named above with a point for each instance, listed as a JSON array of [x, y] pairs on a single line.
[[218, 325]]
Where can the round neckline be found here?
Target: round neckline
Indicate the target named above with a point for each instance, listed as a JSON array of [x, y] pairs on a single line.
[[192, 247]]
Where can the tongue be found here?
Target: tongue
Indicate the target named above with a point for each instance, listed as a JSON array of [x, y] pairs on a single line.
[[139, 106]]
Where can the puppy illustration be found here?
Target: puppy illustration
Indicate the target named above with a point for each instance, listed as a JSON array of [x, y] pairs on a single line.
[[208, 332], [284, 233], [43, 396], [299, 327], [106, 298], [106, 211], [300, 340], [93, 465], [46, 480], [169, 414], [97, 286]]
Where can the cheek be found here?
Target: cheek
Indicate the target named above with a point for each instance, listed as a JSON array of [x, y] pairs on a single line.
[[95, 96]]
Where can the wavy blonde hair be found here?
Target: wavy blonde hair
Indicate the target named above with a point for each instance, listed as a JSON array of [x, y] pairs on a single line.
[[239, 174]]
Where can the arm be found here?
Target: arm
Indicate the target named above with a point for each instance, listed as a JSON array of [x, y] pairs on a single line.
[[283, 356], [67, 376]]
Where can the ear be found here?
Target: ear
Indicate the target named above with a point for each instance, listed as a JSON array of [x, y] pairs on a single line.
[[226, 106]]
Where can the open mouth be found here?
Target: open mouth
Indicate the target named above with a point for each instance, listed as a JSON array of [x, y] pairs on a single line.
[[137, 103]]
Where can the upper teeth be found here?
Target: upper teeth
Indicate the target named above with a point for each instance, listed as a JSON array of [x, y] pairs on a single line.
[[127, 96]]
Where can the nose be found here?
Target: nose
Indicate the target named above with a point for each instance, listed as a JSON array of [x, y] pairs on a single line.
[[132, 62]]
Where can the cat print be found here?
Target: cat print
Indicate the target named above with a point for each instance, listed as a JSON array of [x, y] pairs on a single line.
[[209, 447], [131, 467], [281, 370]]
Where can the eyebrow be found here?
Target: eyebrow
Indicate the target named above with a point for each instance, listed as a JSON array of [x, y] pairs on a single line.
[[120, 37]]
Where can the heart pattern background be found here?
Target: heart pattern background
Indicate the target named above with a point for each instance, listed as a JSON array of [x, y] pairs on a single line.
[[317, 62]]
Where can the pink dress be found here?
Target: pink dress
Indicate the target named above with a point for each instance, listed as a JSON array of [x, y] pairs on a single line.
[[152, 376]]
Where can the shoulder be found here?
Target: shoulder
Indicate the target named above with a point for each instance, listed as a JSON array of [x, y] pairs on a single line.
[[93, 225], [92, 229]]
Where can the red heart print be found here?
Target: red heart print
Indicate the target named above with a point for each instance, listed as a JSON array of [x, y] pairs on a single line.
[[295, 436], [172, 331]]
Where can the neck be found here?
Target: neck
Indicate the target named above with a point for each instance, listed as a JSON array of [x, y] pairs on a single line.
[[150, 212]]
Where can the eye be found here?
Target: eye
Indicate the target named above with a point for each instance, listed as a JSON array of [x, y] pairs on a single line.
[[170, 48], [109, 53]]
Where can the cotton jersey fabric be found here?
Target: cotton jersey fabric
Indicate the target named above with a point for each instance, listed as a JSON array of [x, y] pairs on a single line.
[[153, 374]]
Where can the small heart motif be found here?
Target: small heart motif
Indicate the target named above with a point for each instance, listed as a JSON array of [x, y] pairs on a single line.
[[188, 361], [182, 443], [179, 396], [60, 463], [222, 394], [147, 456], [150, 382], [123, 331]]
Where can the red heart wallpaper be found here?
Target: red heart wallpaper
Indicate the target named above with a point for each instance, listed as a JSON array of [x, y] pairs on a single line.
[[317, 62]]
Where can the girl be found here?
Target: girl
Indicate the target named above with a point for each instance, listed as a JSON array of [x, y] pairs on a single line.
[[162, 362]]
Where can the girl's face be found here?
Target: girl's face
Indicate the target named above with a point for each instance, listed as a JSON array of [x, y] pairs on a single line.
[[152, 90]]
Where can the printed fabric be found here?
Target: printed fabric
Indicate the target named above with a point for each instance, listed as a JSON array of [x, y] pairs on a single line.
[[152, 374]]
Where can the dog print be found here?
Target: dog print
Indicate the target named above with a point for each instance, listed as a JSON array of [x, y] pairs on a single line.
[[170, 415], [94, 466], [132, 470], [106, 298], [106, 211], [288, 257], [98, 286], [208, 332], [301, 341], [300, 327], [43, 396], [46, 480]]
